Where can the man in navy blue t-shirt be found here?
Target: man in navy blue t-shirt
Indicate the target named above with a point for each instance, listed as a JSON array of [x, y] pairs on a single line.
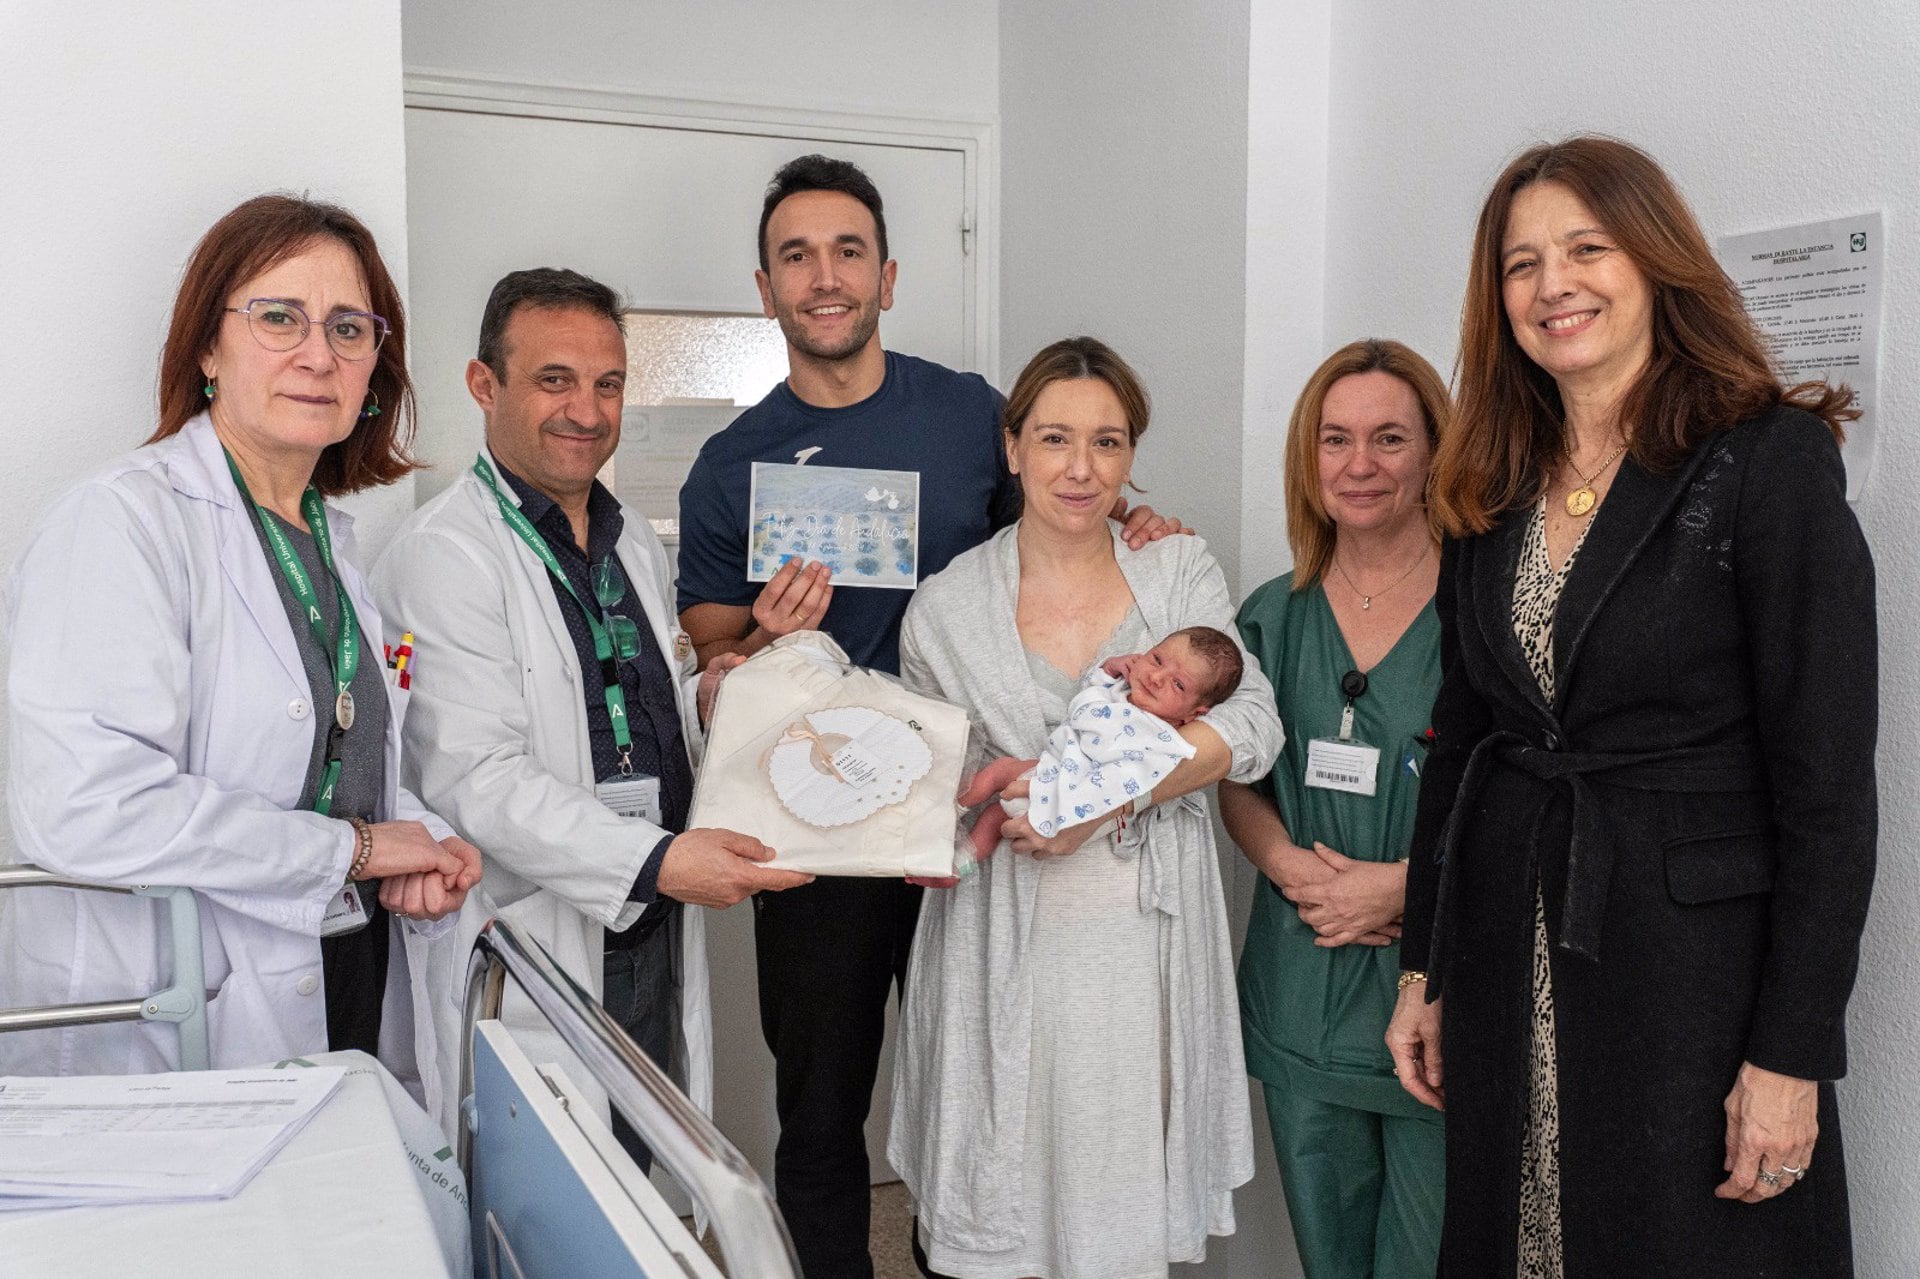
[[923, 418], [829, 952]]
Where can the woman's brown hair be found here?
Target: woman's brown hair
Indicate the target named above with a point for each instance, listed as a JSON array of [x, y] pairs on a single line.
[[1071, 359], [1310, 530], [254, 237], [1709, 370]]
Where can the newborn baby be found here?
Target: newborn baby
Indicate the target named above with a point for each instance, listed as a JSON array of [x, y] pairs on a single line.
[[1119, 738]]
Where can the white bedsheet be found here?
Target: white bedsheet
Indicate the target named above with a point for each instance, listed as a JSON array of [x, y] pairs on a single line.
[[341, 1198]]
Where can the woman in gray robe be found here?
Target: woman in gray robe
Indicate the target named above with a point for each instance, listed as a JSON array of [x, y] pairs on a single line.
[[1070, 1098]]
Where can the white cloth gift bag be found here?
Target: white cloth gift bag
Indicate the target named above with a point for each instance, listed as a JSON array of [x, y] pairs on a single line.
[[840, 770]]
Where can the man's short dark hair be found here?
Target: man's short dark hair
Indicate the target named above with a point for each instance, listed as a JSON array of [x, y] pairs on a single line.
[[551, 288], [822, 173], [1222, 656]]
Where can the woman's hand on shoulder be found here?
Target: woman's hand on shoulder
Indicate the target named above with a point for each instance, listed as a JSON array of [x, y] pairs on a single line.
[[1143, 524]]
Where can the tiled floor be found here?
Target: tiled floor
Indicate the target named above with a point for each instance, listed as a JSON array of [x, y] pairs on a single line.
[[892, 1253]]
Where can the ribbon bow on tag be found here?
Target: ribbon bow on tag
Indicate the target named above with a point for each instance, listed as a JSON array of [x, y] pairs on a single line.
[[825, 747]]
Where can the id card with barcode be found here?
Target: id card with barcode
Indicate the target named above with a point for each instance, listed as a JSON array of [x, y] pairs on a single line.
[[1353, 767], [631, 797]]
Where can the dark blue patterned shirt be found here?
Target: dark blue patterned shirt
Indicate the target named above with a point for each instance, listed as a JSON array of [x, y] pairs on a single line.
[[653, 714]]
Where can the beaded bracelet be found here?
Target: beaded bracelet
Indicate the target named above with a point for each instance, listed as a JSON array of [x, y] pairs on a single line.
[[364, 833]]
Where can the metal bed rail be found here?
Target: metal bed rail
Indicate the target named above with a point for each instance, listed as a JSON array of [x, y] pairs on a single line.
[[753, 1239], [184, 1002]]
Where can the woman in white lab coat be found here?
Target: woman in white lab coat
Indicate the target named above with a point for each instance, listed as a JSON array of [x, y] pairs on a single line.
[[197, 688]]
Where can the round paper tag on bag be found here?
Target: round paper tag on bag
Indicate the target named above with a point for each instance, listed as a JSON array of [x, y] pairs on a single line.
[[837, 766]]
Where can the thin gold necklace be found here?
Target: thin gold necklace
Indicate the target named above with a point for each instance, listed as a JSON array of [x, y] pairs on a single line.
[[1581, 500], [1366, 600]]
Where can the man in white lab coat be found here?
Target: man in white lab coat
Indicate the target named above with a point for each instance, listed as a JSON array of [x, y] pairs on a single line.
[[554, 716]]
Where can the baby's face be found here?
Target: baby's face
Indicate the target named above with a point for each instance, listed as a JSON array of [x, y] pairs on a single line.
[[1168, 679]]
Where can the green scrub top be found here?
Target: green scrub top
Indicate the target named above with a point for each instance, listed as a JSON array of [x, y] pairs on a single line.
[[1314, 1018]]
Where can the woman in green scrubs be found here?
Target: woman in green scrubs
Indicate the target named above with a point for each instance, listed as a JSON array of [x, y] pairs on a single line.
[[1351, 645]]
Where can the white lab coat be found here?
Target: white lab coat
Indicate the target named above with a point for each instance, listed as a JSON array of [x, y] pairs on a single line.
[[497, 741], [161, 729]]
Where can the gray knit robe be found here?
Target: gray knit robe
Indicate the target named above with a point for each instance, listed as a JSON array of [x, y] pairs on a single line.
[[960, 1080]]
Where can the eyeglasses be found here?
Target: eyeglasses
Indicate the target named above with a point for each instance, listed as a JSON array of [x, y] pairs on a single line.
[[609, 588], [281, 326]]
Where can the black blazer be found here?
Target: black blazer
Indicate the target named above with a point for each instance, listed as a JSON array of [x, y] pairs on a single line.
[[1695, 808]]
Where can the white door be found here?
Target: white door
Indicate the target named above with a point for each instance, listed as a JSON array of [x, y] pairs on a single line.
[[667, 217]]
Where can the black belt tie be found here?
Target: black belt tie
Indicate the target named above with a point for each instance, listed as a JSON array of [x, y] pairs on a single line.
[[1679, 769]]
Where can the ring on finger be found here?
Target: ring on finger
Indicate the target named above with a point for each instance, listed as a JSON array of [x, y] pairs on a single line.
[[1788, 1170], [1770, 1178]]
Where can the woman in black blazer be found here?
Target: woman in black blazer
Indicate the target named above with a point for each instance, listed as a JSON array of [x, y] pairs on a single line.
[[1646, 831]]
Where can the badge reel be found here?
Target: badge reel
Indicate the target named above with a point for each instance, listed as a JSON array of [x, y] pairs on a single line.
[[1344, 763]]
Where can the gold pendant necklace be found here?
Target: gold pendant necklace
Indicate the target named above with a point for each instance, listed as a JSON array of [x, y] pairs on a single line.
[[1581, 500], [1366, 601]]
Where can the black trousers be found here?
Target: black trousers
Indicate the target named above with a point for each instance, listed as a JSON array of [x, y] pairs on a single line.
[[641, 982], [828, 955]]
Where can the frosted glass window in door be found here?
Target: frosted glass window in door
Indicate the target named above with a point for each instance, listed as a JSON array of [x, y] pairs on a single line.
[[677, 357], [688, 376]]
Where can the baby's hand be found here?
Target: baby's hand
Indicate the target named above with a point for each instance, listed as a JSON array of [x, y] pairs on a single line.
[[1120, 667]]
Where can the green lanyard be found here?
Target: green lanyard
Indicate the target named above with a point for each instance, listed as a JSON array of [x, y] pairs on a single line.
[[343, 649], [602, 640]]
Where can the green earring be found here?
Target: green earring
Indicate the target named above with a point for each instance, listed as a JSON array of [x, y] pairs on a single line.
[[211, 389], [372, 408]]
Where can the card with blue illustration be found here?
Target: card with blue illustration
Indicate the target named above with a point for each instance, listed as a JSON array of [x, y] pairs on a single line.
[[863, 524]]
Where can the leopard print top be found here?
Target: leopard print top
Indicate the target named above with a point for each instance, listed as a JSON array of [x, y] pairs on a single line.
[[1536, 593]]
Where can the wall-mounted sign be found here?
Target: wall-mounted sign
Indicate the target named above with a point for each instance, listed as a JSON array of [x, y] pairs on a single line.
[[1814, 290]]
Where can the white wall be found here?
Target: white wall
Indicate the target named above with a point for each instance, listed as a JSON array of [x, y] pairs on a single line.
[[917, 59], [1766, 112], [1289, 53], [1123, 214], [1290, 47], [124, 139]]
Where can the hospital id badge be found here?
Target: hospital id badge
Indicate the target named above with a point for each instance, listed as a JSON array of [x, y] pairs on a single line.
[[1351, 766], [633, 796], [345, 913]]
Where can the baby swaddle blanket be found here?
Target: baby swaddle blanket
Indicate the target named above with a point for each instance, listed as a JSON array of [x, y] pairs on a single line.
[[1104, 754], [841, 770]]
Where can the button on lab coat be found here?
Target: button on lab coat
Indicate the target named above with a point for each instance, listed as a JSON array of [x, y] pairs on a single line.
[[160, 732]]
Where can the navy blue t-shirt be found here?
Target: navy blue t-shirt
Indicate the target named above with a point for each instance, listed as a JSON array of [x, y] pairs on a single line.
[[925, 418]]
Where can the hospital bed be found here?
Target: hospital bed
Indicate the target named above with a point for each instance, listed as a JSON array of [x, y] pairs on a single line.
[[551, 1191]]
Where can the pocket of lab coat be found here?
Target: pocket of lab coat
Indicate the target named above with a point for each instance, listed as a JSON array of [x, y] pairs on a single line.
[[397, 699]]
